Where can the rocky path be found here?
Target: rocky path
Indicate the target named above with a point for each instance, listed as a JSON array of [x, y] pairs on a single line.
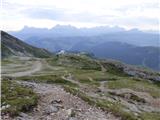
[[102, 86], [103, 69], [57, 104], [69, 77]]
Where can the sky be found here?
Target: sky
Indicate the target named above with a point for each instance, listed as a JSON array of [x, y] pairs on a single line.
[[141, 14]]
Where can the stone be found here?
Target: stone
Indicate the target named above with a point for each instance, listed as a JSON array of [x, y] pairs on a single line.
[[56, 101], [69, 112], [5, 117], [72, 118], [99, 90], [24, 116], [59, 105], [5, 107], [51, 109]]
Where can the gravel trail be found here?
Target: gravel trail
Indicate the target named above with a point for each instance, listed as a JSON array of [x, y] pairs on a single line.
[[57, 104]]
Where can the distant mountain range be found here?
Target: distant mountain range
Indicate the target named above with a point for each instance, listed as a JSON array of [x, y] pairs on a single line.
[[64, 31], [132, 47], [100, 34], [12, 46]]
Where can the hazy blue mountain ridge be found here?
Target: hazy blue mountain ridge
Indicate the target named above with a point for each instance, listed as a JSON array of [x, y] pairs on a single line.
[[132, 46]]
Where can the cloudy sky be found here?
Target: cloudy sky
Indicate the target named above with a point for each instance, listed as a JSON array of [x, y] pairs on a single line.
[[142, 14]]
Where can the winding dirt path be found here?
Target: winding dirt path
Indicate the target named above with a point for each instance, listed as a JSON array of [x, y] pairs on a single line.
[[103, 69], [37, 65], [69, 77]]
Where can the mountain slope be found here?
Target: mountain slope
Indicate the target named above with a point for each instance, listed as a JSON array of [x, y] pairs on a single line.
[[144, 56], [12, 46]]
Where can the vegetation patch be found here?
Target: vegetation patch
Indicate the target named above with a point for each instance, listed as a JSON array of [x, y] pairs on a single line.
[[116, 108], [150, 116], [89, 81], [113, 69], [134, 84], [51, 79], [5, 61], [129, 96], [95, 75], [16, 98], [75, 61]]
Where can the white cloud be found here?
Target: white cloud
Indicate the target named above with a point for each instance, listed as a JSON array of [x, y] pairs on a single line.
[[47, 13]]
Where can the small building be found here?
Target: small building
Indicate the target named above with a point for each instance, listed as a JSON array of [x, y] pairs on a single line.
[[61, 52]]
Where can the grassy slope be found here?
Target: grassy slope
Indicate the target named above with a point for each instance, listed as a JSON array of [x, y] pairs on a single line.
[[75, 61], [50, 79]]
